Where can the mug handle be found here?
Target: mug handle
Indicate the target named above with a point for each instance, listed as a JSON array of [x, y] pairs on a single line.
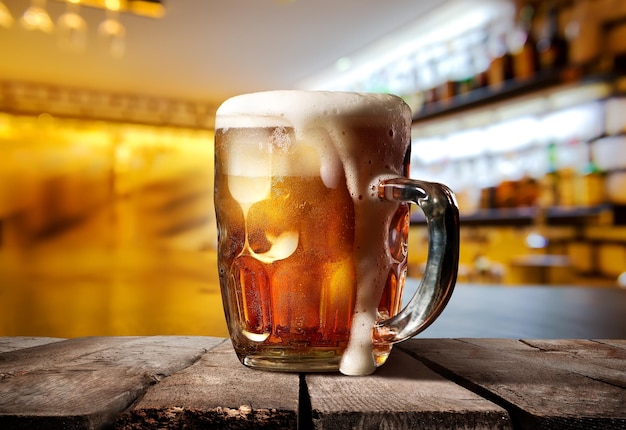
[[442, 216]]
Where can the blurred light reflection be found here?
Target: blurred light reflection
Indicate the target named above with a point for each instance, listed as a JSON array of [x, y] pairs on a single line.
[[106, 229]]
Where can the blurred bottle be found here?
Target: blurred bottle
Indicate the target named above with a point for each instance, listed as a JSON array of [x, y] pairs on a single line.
[[523, 45], [487, 181], [446, 69], [569, 164], [573, 163], [551, 46], [480, 59], [463, 71], [501, 66], [509, 174], [591, 183], [583, 34], [528, 186], [616, 35], [428, 77], [549, 182]]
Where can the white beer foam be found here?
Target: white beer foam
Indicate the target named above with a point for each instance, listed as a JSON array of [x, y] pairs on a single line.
[[295, 108], [330, 117], [281, 155]]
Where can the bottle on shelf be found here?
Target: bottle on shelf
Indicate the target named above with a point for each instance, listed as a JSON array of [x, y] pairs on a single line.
[[551, 46], [590, 184], [572, 160], [583, 35], [445, 89], [616, 35], [509, 171], [549, 182], [486, 181], [528, 186], [501, 66], [480, 60], [463, 72], [522, 45], [428, 76]]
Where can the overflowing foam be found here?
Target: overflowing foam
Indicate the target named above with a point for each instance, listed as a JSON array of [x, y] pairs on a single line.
[[297, 108], [322, 124]]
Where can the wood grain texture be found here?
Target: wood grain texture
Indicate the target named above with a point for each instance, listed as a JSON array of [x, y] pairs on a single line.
[[555, 384], [402, 394], [590, 358], [615, 343], [13, 343], [197, 382], [87, 382], [218, 392]]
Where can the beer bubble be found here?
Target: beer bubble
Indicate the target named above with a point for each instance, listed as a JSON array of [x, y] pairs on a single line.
[[280, 138]]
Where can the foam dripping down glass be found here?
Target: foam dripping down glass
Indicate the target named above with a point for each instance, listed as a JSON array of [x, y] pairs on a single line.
[[312, 202]]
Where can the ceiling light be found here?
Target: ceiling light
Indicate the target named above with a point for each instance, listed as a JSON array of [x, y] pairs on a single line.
[[72, 28], [36, 17], [6, 19], [146, 8]]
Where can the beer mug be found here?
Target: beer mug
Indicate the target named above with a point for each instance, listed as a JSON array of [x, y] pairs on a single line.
[[313, 212]]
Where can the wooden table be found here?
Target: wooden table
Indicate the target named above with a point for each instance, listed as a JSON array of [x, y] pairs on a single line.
[[197, 382]]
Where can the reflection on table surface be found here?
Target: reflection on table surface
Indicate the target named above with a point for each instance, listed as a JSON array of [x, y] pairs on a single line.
[[530, 312]]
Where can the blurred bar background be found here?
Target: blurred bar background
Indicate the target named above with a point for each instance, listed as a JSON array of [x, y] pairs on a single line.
[[106, 195]]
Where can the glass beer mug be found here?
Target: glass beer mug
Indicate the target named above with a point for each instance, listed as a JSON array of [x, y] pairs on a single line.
[[313, 210]]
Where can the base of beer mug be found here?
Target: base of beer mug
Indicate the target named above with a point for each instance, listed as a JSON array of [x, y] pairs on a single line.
[[287, 360], [283, 360], [293, 364]]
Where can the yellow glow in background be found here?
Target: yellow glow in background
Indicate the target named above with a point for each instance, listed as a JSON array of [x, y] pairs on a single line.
[[106, 229]]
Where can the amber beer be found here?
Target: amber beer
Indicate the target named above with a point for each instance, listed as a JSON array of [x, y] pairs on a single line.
[[309, 258]]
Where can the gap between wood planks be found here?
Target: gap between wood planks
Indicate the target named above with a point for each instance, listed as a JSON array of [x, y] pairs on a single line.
[[519, 418]]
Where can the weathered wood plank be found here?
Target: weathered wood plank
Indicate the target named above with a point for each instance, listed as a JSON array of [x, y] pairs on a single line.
[[586, 357], [13, 343], [402, 394], [218, 392], [87, 382], [593, 359], [58, 352], [589, 358], [540, 388], [616, 343]]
